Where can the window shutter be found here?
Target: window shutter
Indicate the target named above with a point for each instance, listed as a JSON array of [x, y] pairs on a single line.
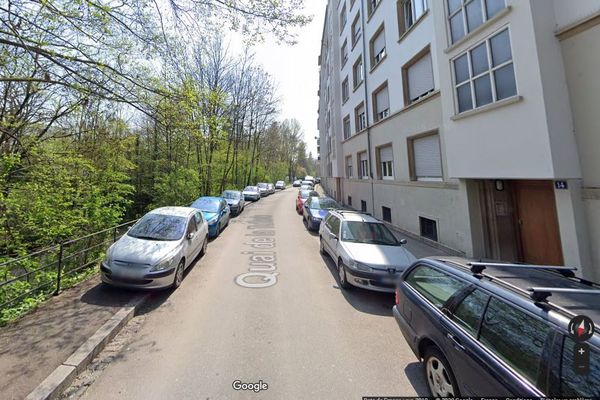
[[378, 43], [385, 154], [420, 77], [428, 159], [383, 100]]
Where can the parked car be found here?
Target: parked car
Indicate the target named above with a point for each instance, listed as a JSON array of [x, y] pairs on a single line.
[[235, 200], [309, 178], [317, 180], [263, 188], [156, 250], [491, 330], [280, 185], [317, 208], [303, 194], [251, 193], [365, 251], [271, 188], [308, 183], [215, 211], [297, 183], [306, 187]]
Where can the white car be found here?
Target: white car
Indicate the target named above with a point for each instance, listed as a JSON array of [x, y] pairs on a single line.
[[155, 252], [309, 178], [251, 193], [280, 185]]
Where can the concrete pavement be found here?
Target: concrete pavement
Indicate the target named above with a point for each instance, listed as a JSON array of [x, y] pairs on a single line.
[[295, 330]]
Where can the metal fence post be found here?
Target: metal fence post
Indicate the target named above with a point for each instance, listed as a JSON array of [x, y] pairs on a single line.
[[114, 234], [59, 270]]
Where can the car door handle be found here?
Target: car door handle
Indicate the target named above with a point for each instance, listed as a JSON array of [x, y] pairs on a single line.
[[456, 342]]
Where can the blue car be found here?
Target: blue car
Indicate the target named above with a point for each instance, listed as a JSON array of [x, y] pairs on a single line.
[[315, 209], [215, 211]]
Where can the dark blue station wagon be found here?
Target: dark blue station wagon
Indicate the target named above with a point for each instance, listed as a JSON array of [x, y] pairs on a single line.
[[484, 329]]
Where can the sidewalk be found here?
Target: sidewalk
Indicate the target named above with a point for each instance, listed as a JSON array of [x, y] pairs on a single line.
[[34, 346]]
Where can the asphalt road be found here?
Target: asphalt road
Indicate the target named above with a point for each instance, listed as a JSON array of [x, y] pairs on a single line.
[[300, 334]]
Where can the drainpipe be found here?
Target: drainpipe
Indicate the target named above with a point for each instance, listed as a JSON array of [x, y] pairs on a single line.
[[364, 67]]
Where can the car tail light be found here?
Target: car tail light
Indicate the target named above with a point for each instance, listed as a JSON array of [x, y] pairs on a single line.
[[397, 300]]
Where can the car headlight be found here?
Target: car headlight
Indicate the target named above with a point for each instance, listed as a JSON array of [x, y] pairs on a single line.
[[360, 266], [163, 265], [213, 220]]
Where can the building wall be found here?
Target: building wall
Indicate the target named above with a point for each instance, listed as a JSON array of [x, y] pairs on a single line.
[[581, 54]]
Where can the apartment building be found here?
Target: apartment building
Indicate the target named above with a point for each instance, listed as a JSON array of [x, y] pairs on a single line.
[[468, 123]]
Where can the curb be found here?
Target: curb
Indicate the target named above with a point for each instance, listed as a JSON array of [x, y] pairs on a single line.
[[53, 386]]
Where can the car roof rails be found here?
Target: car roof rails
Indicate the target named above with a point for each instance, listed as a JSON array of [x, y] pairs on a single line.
[[354, 212], [479, 267], [541, 294]]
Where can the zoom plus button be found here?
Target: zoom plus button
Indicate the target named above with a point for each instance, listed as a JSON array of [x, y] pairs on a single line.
[[581, 359]]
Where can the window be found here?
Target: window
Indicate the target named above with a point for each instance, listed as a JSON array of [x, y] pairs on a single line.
[[515, 337], [192, 227], [361, 117], [363, 166], [409, 12], [343, 17], [357, 72], [349, 167], [466, 15], [344, 53], [426, 158], [345, 90], [381, 103], [428, 228], [573, 384], [363, 206], [199, 218], [470, 310], [372, 5], [386, 162], [418, 77], [485, 74], [434, 285], [347, 127], [377, 46], [350, 200], [356, 29], [335, 225], [387, 214]]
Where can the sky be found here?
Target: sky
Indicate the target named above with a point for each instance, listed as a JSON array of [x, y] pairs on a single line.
[[296, 73]]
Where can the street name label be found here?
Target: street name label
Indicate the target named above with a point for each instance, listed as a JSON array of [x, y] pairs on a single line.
[[262, 257]]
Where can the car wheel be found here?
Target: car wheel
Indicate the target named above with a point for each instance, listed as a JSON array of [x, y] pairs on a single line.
[[204, 246], [178, 275], [342, 276], [439, 376]]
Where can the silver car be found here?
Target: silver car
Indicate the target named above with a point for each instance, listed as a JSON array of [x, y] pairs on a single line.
[[251, 193], [155, 252], [365, 251], [263, 188], [235, 200], [280, 185]]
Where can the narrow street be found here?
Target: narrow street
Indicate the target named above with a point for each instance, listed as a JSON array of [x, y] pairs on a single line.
[[301, 336]]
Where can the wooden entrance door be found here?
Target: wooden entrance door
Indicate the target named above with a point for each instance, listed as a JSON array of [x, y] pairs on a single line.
[[538, 222]]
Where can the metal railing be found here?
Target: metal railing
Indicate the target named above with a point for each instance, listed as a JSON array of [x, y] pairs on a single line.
[[46, 272]]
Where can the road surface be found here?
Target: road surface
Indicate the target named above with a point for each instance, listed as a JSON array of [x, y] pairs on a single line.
[[299, 334]]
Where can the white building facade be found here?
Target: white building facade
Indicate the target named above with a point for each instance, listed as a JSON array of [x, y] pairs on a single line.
[[468, 123]]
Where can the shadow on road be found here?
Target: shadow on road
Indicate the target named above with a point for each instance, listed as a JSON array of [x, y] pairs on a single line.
[[414, 373], [362, 300]]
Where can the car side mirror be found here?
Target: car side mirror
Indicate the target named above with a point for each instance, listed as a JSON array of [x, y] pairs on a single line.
[[190, 235], [403, 241]]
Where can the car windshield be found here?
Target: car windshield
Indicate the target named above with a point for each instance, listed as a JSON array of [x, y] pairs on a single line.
[[305, 194], [207, 204], [323, 203], [250, 189], [158, 227], [262, 185], [368, 232], [280, 182], [231, 194]]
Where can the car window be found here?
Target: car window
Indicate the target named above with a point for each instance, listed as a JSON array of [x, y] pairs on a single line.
[[469, 311], [435, 285], [207, 204], [192, 225], [327, 221], [515, 337], [198, 217], [335, 225], [576, 385], [158, 227], [368, 232]]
